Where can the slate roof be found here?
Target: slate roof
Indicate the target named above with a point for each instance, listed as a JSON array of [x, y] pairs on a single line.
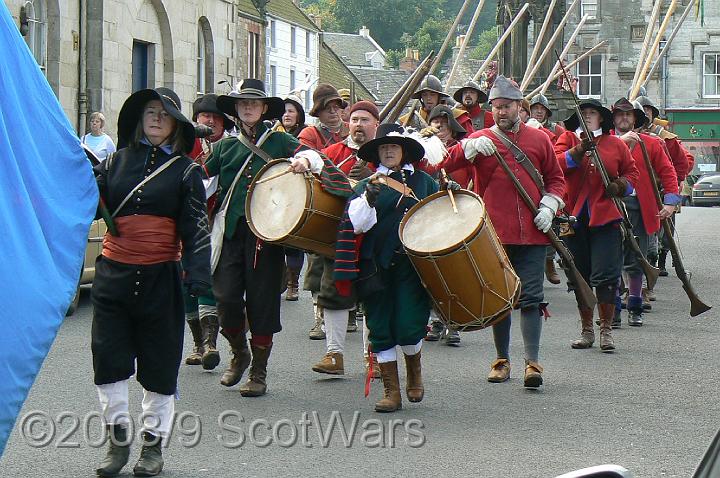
[[334, 71], [382, 83], [248, 8], [351, 47], [288, 11], [465, 71]]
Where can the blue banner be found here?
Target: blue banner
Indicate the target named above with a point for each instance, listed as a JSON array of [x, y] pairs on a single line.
[[48, 198]]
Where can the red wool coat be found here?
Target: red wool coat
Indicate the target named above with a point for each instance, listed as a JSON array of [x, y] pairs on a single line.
[[554, 135], [462, 176], [339, 152], [513, 221], [680, 157], [584, 184], [312, 137], [664, 172], [480, 118]]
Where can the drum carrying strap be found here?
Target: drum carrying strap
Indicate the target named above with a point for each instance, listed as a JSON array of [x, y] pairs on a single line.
[[521, 158]]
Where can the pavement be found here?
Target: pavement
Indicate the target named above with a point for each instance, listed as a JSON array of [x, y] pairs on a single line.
[[652, 406]]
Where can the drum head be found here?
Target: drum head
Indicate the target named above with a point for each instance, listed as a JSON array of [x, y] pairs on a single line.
[[432, 225], [276, 206]]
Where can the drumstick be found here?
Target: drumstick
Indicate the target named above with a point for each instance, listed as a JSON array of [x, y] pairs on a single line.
[[450, 193], [274, 176]]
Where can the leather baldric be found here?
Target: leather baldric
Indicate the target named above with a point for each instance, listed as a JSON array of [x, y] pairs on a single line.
[[521, 158]]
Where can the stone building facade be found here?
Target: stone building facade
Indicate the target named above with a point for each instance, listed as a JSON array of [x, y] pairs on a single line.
[[96, 53]]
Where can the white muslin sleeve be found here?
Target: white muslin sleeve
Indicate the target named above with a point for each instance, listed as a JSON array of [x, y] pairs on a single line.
[[316, 162], [362, 216]]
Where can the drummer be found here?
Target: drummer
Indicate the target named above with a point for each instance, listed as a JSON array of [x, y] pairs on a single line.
[[396, 304], [248, 275], [521, 233]]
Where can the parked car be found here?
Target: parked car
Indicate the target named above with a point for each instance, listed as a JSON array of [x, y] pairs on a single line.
[[706, 191], [93, 249]]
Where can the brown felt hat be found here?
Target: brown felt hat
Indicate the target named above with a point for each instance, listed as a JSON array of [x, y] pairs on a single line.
[[324, 94]]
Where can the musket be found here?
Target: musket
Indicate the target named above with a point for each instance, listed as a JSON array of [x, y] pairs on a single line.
[[585, 295], [392, 103], [651, 273], [424, 68], [697, 306]]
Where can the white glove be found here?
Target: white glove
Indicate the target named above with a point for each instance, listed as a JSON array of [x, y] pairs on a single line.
[[533, 123], [480, 145], [549, 206]]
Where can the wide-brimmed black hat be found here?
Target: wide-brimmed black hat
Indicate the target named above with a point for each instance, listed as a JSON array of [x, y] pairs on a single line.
[[470, 85], [623, 104], [443, 110], [392, 133], [572, 122], [208, 104], [132, 109], [251, 89]]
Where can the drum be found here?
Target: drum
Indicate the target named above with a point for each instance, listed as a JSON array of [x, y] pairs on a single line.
[[293, 210], [460, 260]]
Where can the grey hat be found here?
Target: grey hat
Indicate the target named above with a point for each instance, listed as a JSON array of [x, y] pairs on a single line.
[[505, 88], [457, 96], [541, 99], [430, 83], [645, 101], [443, 110]]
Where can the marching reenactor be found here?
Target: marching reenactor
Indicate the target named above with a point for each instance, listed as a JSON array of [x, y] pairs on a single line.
[[339, 310], [396, 303], [540, 110], [471, 98], [641, 203], [248, 274], [330, 129], [595, 240], [201, 312], [529, 153], [157, 198], [431, 95]]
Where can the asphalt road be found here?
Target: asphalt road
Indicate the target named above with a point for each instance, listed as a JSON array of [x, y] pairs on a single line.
[[652, 406]]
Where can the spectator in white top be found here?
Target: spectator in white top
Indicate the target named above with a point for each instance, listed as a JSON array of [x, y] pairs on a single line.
[[96, 140]]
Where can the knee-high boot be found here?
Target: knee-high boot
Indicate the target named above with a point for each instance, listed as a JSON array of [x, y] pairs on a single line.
[[587, 335], [257, 384], [606, 312], [239, 361], [391, 401]]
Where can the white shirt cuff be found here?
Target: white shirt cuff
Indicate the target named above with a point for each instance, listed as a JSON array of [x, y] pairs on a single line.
[[362, 216], [316, 162]]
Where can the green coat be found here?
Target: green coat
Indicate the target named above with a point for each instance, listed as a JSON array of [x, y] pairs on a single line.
[[227, 158]]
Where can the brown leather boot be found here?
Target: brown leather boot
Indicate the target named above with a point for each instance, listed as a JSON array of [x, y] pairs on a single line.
[[240, 359], [256, 384], [391, 401], [587, 335], [414, 389], [499, 371], [533, 374], [211, 356], [293, 277], [550, 271], [195, 357], [606, 312], [331, 363]]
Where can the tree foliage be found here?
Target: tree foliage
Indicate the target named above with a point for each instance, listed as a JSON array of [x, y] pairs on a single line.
[[485, 42]]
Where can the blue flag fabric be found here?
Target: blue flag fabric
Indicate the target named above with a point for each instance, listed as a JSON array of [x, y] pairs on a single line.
[[48, 198]]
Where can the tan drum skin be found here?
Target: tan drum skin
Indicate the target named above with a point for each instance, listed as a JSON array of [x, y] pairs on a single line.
[[293, 210], [460, 260]]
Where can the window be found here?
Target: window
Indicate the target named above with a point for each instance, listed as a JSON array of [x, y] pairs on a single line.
[[36, 38], [293, 41], [253, 55], [308, 45], [200, 62], [637, 32], [589, 73], [272, 34], [272, 80], [140, 65], [292, 81], [590, 7], [711, 75]]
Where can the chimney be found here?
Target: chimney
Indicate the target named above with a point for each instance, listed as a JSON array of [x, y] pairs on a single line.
[[459, 40], [365, 32], [411, 60]]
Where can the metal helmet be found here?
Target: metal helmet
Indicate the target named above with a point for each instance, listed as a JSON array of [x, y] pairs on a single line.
[[645, 101], [641, 92], [541, 99], [482, 98], [430, 83]]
